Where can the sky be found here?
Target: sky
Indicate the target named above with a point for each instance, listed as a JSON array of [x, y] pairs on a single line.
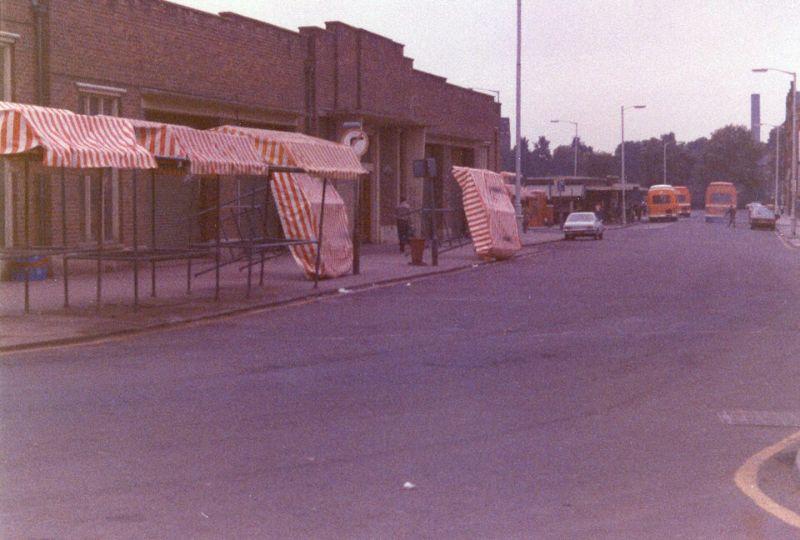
[[688, 61]]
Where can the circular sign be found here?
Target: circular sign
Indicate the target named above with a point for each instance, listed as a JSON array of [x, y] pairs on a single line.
[[357, 140]]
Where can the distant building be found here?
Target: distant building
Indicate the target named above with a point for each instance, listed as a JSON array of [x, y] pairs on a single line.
[[755, 116], [585, 193]]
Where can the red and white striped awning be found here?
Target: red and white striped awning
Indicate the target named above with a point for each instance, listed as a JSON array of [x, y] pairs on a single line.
[[490, 214], [317, 157], [208, 152], [71, 140]]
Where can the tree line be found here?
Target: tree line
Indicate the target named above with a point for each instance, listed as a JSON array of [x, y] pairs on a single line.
[[729, 154]]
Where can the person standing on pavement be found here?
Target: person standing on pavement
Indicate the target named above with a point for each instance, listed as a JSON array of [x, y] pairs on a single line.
[[403, 214], [732, 216]]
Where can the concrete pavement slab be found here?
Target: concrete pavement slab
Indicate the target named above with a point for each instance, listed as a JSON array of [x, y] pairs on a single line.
[[50, 324]]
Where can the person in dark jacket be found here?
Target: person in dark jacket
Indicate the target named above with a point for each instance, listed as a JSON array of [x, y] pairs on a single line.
[[403, 214], [732, 216]]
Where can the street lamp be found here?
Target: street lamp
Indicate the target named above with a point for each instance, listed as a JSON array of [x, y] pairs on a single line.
[[518, 157], [622, 158], [665, 161], [778, 130], [574, 143], [793, 187]]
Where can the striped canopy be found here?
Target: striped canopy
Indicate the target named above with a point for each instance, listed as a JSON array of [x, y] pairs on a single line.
[[208, 152], [317, 157], [490, 214], [71, 140]]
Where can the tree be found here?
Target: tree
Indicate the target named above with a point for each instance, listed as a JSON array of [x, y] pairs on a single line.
[[732, 155], [541, 162]]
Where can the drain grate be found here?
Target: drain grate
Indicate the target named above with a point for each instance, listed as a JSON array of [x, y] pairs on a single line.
[[738, 417]]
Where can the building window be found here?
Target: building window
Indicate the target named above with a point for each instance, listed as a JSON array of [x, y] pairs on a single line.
[[105, 100], [7, 41]]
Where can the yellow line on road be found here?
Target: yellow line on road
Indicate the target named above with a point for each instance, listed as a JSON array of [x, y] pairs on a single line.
[[746, 479]]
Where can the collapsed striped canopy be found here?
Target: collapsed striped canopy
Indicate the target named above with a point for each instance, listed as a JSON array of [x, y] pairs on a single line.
[[317, 157], [71, 140], [490, 214], [298, 198], [208, 152]]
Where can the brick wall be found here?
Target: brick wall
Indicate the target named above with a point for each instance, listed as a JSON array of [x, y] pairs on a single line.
[[154, 44], [142, 46]]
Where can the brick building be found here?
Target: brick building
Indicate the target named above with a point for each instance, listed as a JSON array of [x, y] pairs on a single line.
[[155, 60]]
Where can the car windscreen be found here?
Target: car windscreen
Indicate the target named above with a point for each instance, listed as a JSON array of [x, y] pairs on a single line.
[[681, 198], [762, 212], [582, 218]]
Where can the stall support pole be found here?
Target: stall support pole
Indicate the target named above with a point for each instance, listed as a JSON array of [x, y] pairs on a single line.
[[100, 234], [189, 231], [189, 275], [434, 232], [135, 207], [267, 205], [26, 264], [319, 234], [64, 237], [357, 229], [153, 231], [249, 270], [218, 246]]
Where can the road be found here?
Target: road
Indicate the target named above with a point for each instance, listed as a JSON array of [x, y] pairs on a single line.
[[571, 393]]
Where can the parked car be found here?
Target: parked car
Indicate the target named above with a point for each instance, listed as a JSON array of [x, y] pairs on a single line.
[[752, 205], [583, 224], [762, 217]]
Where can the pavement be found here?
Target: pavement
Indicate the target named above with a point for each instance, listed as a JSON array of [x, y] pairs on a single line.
[[784, 230], [50, 324]]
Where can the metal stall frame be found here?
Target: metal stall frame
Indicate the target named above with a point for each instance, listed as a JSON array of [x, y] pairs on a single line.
[[258, 246], [29, 251], [320, 159], [136, 255]]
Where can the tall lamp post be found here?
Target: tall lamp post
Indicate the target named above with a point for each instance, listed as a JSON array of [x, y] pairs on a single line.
[[793, 187], [518, 176], [622, 110], [778, 130], [665, 161], [574, 143]]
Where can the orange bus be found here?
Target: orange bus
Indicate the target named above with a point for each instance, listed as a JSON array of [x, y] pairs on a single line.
[[720, 196], [684, 201], [662, 203]]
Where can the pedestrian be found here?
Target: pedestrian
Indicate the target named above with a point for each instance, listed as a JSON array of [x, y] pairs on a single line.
[[732, 216], [403, 215]]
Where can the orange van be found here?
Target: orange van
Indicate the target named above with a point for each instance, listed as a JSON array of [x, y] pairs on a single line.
[[662, 203], [684, 201], [720, 196]]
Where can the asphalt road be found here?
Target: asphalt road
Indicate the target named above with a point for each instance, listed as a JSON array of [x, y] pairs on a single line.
[[573, 393]]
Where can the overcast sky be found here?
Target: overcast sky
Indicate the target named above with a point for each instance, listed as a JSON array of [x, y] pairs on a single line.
[[689, 61]]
